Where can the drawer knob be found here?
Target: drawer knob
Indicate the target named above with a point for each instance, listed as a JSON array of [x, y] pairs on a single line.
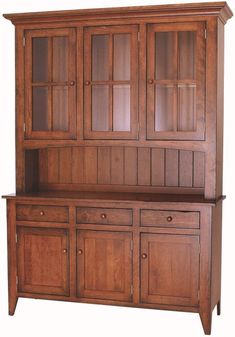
[[169, 218], [144, 256], [80, 252], [41, 213], [103, 216], [65, 250]]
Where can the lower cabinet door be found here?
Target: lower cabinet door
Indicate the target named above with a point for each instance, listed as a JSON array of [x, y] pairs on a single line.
[[169, 269], [43, 261], [104, 265]]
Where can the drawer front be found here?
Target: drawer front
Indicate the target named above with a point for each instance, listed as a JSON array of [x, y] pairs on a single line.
[[42, 213], [169, 219], [104, 216]]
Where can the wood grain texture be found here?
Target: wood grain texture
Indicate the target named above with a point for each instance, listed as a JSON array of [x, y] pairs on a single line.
[[122, 206], [43, 261], [164, 259], [104, 265]]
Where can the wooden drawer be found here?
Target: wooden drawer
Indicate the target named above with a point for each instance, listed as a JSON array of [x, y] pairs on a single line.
[[104, 216], [42, 213], [179, 219]]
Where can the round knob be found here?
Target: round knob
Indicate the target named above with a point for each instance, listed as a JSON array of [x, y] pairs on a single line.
[[80, 251], [169, 218], [87, 82], [150, 81], [65, 250], [72, 83], [41, 213], [103, 216], [144, 256]]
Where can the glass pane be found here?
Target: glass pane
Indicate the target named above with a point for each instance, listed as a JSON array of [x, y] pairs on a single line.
[[100, 57], [60, 58], [164, 56], [60, 108], [187, 108], [40, 59], [100, 108], [187, 42], [40, 109], [121, 108], [164, 108], [121, 56]]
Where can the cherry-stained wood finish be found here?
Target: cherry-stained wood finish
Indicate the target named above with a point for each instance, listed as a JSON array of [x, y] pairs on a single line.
[[42, 259], [53, 82], [169, 269], [119, 168], [104, 266]]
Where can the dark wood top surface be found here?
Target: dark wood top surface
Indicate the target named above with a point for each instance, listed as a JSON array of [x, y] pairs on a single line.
[[115, 196]]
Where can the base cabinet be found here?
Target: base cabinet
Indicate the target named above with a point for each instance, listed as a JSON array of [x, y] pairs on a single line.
[[104, 265], [43, 264], [169, 269], [142, 254]]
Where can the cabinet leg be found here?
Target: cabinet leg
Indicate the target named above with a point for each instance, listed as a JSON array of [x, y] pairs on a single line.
[[12, 305], [218, 308], [206, 319]]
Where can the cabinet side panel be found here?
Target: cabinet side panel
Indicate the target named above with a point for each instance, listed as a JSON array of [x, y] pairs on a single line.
[[216, 254], [20, 163], [220, 110]]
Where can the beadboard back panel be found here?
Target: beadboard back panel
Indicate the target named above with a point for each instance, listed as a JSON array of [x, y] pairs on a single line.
[[121, 166]]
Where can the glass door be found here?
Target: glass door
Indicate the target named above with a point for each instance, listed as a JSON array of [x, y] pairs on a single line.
[[50, 84], [110, 87], [175, 81]]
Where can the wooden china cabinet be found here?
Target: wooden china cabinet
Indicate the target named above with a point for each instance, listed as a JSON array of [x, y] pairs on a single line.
[[119, 146]]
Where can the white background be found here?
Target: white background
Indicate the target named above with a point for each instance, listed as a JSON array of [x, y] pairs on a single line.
[[50, 318]]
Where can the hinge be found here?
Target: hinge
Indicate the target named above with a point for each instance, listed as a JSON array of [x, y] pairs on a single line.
[[16, 238], [132, 289], [205, 34], [24, 41], [131, 244], [138, 36], [24, 127], [198, 294], [17, 280]]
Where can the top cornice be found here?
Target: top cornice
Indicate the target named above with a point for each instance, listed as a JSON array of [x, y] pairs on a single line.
[[219, 9]]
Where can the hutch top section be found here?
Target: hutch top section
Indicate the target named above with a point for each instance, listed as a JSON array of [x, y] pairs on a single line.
[[220, 9], [121, 99]]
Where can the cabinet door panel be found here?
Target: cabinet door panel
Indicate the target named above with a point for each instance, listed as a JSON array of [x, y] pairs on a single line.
[[121, 108], [104, 265], [50, 87], [40, 109], [40, 59], [169, 269], [100, 107], [111, 82], [176, 81], [43, 265], [121, 54]]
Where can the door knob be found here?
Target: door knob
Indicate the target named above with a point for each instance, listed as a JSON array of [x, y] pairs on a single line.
[[72, 83], [65, 250], [80, 252], [150, 81], [87, 82]]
